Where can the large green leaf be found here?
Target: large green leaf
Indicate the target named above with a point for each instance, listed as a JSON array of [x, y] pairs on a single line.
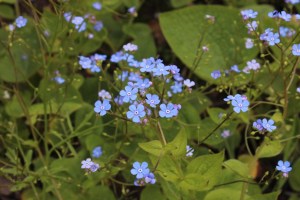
[[153, 147], [225, 38], [203, 172], [294, 179], [178, 146]]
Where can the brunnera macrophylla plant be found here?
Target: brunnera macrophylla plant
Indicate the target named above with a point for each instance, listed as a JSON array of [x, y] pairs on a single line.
[[91, 109]]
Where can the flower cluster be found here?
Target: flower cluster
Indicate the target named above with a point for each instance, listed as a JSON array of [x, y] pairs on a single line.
[[284, 167], [239, 102], [142, 173], [89, 165], [263, 125]]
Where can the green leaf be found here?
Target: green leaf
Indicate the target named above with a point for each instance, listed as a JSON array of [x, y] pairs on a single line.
[[8, 1], [180, 3], [7, 12], [269, 149], [178, 146], [152, 192], [203, 172], [294, 178], [153, 147], [238, 167], [100, 191], [214, 114], [184, 29], [224, 194], [167, 168], [269, 196], [141, 33]]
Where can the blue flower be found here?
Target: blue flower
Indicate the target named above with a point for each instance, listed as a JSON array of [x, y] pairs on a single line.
[[252, 26], [86, 164], [101, 108], [98, 26], [249, 43], [79, 23], [85, 62], [248, 14], [97, 5], [284, 166], [285, 16], [216, 74], [140, 170], [168, 110], [94, 167], [161, 69], [136, 112], [258, 124], [296, 50], [59, 79], [21, 21], [152, 100], [240, 105], [130, 47], [132, 10], [129, 93], [177, 87], [189, 151], [150, 178], [286, 32], [174, 69], [147, 65], [251, 65], [143, 84], [268, 125], [134, 77], [272, 38], [117, 57], [188, 83], [225, 133], [97, 152], [104, 94], [235, 68]]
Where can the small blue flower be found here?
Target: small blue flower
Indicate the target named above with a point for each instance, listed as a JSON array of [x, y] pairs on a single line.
[[292, 1], [225, 133], [272, 38], [136, 112], [85, 62], [97, 5], [168, 110], [252, 26], [251, 65], [216, 74], [268, 125], [59, 79], [104, 94], [249, 43], [94, 167], [129, 93], [150, 178], [240, 105], [188, 83], [285, 16], [117, 57], [130, 47], [177, 87], [152, 100], [258, 124], [248, 14], [98, 26], [86, 164], [286, 32], [284, 166], [131, 10], [134, 77], [235, 68], [161, 69], [174, 69], [140, 170], [143, 84], [21, 21], [97, 152], [101, 108], [147, 65], [296, 50], [189, 151], [79, 23]]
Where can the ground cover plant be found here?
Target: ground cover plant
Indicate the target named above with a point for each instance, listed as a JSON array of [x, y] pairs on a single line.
[[131, 99]]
